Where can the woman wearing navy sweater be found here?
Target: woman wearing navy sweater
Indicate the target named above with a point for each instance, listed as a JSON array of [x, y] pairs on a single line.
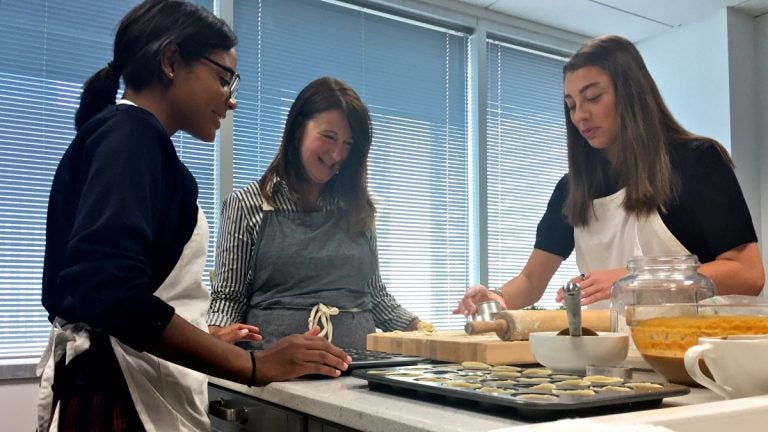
[[126, 241]]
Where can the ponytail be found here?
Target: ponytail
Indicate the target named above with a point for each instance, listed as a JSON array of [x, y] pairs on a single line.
[[98, 93], [142, 37]]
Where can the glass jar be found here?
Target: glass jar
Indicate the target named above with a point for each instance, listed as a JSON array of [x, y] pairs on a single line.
[[657, 286]]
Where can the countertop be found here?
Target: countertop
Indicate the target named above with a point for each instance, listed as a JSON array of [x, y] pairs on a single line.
[[349, 402]]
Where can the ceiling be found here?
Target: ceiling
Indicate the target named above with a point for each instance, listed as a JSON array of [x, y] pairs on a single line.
[[633, 19]]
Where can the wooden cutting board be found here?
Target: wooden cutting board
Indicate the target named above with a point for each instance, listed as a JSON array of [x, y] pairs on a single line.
[[453, 346]]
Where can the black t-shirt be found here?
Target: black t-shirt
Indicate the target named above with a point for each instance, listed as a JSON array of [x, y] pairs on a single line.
[[709, 217], [122, 207]]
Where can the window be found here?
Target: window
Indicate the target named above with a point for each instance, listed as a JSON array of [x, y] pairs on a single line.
[[44, 59], [526, 136], [413, 78]]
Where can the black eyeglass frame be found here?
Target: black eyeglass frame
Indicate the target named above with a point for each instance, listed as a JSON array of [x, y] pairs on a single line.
[[234, 83]]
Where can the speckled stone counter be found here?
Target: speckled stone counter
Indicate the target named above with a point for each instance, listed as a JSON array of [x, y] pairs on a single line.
[[348, 401]]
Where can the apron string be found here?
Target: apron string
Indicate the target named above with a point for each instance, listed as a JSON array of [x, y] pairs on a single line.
[[321, 315]]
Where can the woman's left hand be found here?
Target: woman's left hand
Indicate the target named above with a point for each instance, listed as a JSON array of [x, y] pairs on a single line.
[[236, 332], [595, 286]]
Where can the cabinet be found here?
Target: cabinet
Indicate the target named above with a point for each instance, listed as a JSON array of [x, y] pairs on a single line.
[[231, 411], [315, 424]]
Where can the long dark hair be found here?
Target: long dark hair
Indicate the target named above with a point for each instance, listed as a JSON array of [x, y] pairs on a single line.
[[142, 37], [351, 182], [645, 129]]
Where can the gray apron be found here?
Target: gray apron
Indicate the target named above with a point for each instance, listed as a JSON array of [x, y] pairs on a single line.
[[301, 260]]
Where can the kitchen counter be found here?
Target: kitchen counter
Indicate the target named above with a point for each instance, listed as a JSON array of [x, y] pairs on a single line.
[[347, 401]]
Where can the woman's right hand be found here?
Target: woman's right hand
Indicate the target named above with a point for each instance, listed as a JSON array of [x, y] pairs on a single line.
[[474, 295], [300, 354]]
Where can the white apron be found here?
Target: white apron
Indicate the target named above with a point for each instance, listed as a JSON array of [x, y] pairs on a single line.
[[613, 236], [167, 397]]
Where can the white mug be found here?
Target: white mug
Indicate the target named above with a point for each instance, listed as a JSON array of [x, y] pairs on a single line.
[[737, 363]]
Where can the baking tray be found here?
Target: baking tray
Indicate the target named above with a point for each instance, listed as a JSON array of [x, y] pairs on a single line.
[[505, 390], [376, 359]]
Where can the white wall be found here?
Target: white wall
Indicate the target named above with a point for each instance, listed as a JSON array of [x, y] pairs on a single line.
[[708, 73], [690, 67], [18, 399], [761, 121], [743, 96]]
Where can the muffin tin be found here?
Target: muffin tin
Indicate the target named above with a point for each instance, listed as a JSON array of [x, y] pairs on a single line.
[[530, 391]]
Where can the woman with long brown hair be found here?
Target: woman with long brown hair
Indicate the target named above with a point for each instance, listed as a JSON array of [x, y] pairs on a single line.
[[638, 183], [298, 247]]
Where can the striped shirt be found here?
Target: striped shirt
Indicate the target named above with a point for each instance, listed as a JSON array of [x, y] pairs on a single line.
[[241, 215]]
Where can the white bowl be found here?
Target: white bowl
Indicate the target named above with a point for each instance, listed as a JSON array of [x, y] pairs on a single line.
[[574, 354]]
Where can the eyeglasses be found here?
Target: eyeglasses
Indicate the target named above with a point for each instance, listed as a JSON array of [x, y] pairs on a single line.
[[234, 83]]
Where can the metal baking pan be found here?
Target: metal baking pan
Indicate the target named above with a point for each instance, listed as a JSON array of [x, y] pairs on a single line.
[[362, 359], [562, 398]]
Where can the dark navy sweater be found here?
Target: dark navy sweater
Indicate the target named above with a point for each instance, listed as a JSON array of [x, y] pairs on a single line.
[[122, 207]]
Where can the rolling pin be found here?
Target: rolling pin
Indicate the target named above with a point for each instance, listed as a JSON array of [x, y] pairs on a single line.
[[516, 324]]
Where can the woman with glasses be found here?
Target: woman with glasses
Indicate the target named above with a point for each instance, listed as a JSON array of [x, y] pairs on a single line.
[[126, 241], [638, 184], [298, 247]]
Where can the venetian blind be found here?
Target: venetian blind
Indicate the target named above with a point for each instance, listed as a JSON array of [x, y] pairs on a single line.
[[526, 157], [45, 56], [413, 78]]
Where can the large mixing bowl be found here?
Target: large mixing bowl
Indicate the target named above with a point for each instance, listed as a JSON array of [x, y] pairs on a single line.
[[663, 334]]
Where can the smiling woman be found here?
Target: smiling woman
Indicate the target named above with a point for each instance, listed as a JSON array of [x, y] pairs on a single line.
[[326, 144], [298, 246], [126, 241]]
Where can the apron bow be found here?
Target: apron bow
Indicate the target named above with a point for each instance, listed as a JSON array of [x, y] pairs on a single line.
[[321, 315]]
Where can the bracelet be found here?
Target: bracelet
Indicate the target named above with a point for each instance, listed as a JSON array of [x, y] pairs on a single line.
[[252, 380], [497, 292]]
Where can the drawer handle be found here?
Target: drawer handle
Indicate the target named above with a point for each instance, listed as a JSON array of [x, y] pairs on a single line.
[[222, 409]]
